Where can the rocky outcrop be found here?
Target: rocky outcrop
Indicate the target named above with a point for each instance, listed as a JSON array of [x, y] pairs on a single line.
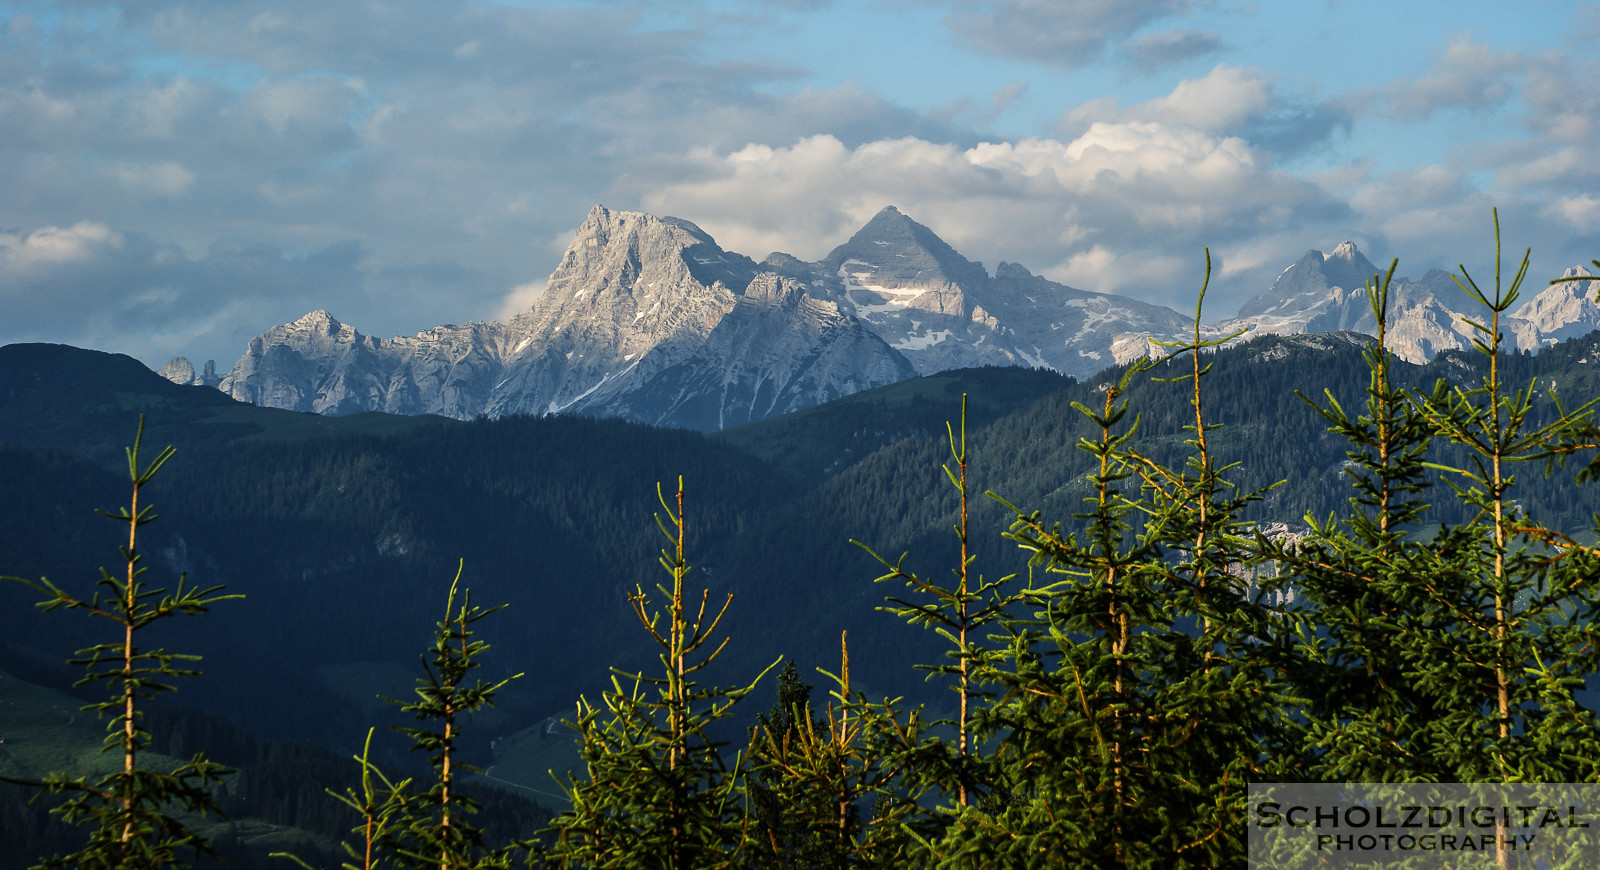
[[180, 371], [318, 364], [1559, 312]]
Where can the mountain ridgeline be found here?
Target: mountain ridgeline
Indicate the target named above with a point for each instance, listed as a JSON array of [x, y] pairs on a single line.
[[647, 319]]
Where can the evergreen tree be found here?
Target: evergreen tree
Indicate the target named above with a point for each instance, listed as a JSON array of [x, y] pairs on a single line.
[[1512, 635], [439, 831], [432, 828], [956, 611], [1455, 657], [658, 790], [382, 805], [1356, 582], [812, 776], [781, 807], [1142, 694], [135, 813]]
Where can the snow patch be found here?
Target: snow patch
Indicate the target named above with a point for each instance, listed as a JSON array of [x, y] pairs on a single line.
[[553, 408], [921, 342]]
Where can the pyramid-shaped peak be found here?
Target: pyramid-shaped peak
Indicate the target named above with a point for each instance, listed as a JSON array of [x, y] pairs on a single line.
[[616, 245], [892, 228], [609, 220], [891, 219], [904, 252]]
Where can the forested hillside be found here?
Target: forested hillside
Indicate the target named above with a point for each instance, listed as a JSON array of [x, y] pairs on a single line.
[[343, 533]]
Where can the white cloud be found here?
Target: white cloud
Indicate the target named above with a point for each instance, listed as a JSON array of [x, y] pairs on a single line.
[[406, 161], [1581, 210], [1469, 75], [22, 253], [1121, 207], [520, 299], [97, 286], [1223, 101]]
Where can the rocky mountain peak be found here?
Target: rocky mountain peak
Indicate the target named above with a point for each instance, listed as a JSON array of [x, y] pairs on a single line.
[[319, 319], [899, 252], [1347, 267], [632, 252], [1346, 250], [1559, 311], [1312, 281]]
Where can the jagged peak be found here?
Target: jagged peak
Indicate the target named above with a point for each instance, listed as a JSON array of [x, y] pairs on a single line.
[[607, 219], [1346, 250]]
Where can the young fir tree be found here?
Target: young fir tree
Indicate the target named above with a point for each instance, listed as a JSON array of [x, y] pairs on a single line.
[[781, 815], [1509, 636], [1355, 582], [823, 790], [1142, 694], [135, 814], [1044, 797], [431, 829], [439, 831], [957, 611], [381, 803], [1455, 658], [658, 791]]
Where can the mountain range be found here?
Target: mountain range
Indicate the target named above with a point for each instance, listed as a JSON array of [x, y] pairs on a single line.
[[647, 319]]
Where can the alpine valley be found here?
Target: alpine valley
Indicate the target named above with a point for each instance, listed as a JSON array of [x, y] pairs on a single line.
[[647, 319]]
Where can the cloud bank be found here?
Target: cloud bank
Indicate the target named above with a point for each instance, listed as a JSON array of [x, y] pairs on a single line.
[[177, 175]]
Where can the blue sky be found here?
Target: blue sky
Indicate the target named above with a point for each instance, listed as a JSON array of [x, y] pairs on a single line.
[[176, 176]]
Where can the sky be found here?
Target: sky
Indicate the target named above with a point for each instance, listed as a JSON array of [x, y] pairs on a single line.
[[177, 176]]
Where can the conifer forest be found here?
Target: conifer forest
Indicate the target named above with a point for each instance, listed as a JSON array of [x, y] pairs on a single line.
[[996, 618]]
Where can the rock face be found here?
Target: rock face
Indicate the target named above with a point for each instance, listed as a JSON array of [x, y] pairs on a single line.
[[1559, 312], [648, 319], [943, 311], [180, 371], [644, 318], [318, 364], [1326, 293]]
